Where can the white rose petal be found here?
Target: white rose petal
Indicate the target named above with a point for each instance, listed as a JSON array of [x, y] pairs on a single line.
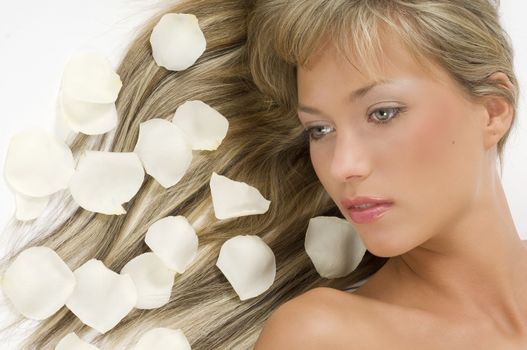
[[38, 282], [205, 126], [72, 342], [163, 338], [333, 246], [248, 264], [29, 208], [177, 41], [89, 77], [233, 198], [174, 240], [88, 92], [164, 150], [102, 297], [103, 181], [87, 117], [38, 163], [152, 278]]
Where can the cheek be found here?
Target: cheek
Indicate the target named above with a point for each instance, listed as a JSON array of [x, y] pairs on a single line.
[[440, 161], [321, 161], [437, 133], [433, 141]]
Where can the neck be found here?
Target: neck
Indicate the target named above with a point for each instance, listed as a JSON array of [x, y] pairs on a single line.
[[477, 267]]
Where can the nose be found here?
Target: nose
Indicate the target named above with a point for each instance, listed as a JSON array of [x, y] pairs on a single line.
[[350, 161]]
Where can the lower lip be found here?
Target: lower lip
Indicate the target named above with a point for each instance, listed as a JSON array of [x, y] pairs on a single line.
[[366, 216]]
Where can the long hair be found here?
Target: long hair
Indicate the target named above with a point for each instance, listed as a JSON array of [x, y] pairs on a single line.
[[248, 73]]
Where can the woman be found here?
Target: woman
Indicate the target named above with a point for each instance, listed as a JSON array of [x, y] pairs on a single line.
[[425, 143], [445, 256]]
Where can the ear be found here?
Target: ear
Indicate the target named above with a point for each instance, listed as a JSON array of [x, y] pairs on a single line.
[[499, 112]]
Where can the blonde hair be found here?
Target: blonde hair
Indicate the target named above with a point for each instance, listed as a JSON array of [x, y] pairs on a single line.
[[248, 74]]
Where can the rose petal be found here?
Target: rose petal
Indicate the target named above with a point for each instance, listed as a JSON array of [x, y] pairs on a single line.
[[174, 240], [38, 163], [29, 208], [87, 117], [152, 278], [206, 127], [333, 246], [177, 41], [102, 297], [163, 338], [105, 180], [38, 282], [72, 342], [164, 150], [249, 265], [89, 77], [233, 198]]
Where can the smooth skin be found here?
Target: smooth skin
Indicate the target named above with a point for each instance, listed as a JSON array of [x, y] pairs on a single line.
[[457, 273]]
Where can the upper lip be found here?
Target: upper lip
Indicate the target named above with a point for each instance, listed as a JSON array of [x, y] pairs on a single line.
[[349, 202]]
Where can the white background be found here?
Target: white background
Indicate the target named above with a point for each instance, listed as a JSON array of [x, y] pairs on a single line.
[[37, 37]]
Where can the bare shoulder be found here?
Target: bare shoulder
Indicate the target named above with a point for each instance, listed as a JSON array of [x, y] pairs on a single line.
[[321, 317]]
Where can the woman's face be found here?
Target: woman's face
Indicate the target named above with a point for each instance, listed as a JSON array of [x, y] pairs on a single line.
[[428, 158]]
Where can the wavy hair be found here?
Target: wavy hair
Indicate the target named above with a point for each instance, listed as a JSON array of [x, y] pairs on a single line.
[[248, 73]]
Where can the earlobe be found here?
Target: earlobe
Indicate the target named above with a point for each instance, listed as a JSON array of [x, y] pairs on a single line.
[[499, 112]]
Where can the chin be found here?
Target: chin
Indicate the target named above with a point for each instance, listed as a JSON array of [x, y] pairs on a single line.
[[385, 247], [384, 253]]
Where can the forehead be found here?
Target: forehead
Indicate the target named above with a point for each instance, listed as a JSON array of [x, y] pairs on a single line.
[[328, 65]]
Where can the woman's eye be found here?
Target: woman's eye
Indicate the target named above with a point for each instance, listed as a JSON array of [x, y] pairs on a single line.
[[381, 115], [317, 132], [385, 115]]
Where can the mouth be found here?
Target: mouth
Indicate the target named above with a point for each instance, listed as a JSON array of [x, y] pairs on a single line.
[[366, 215]]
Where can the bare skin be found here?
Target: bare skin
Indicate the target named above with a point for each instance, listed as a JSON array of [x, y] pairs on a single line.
[[457, 276]]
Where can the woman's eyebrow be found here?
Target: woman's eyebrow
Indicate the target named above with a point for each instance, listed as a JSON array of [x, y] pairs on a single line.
[[361, 92], [353, 96]]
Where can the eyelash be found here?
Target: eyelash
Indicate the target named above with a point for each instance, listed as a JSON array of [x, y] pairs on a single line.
[[309, 130]]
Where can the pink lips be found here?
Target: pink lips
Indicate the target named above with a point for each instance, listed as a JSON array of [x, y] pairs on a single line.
[[366, 215]]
